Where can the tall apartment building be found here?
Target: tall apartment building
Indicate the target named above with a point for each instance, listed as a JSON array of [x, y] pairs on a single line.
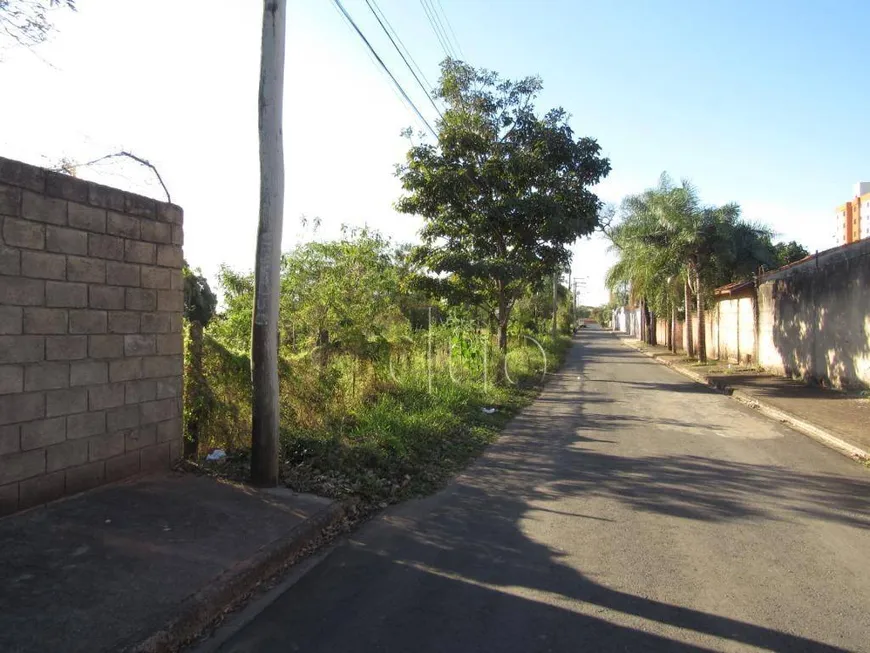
[[853, 217]]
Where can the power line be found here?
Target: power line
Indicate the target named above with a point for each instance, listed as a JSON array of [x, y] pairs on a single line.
[[375, 63], [401, 43], [384, 66], [444, 45], [441, 27], [392, 87], [425, 90], [450, 27]]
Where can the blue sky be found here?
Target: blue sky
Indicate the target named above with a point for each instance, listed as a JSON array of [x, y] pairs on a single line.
[[762, 103]]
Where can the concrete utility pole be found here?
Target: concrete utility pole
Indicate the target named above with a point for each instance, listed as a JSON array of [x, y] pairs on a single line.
[[579, 286], [267, 273], [574, 298]]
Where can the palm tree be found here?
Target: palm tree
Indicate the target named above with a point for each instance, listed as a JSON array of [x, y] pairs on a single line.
[[650, 242], [667, 236], [724, 248]]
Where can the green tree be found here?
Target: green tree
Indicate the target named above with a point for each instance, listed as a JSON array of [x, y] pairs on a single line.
[[199, 308], [233, 326], [667, 234], [504, 192], [789, 252], [341, 296], [648, 265]]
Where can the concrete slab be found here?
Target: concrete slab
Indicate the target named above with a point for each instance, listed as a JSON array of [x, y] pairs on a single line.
[[105, 570]]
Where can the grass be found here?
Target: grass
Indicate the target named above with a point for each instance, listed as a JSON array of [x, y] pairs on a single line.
[[406, 443], [403, 441]]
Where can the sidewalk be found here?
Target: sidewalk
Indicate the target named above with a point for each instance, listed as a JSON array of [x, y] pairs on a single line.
[[837, 419], [147, 564]]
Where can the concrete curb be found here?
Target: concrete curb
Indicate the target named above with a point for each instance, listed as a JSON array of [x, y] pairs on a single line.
[[202, 608], [807, 428]]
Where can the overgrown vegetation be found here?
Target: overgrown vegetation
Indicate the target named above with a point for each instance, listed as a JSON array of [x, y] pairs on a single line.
[[396, 365], [377, 402]]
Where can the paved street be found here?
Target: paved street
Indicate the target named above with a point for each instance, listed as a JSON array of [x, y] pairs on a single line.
[[627, 509]]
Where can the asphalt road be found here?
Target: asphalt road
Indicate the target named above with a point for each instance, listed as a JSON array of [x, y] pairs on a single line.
[[627, 509]]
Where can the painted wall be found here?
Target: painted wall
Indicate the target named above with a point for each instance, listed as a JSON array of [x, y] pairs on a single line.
[[814, 318], [627, 320]]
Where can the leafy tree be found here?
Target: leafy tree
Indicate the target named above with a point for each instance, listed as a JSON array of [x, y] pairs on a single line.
[[648, 266], [503, 192], [233, 325], [27, 21], [740, 250], [603, 314], [199, 308], [789, 252], [533, 311], [199, 300], [341, 296]]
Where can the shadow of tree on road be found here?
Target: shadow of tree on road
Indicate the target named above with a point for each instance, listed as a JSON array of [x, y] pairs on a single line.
[[458, 572]]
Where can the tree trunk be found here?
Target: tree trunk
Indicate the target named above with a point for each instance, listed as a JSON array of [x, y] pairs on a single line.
[[688, 340], [195, 383], [648, 334], [644, 318], [673, 329], [702, 331], [502, 318], [323, 347], [641, 323], [264, 341], [502, 335], [555, 305]]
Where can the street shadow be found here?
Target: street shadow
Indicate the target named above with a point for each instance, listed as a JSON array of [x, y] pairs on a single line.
[[458, 571], [677, 386], [775, 387]]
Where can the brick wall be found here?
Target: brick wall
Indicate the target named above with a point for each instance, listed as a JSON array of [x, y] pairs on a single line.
[[90, 335]]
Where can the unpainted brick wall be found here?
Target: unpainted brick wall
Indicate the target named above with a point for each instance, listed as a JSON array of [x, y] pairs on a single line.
[[90, 335]]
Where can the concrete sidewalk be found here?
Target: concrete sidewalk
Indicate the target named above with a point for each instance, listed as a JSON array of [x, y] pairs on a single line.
[[147, 564], [837, 419]]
